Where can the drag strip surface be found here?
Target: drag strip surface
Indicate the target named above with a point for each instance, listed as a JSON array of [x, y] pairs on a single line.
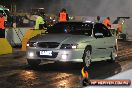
[[15, 73]]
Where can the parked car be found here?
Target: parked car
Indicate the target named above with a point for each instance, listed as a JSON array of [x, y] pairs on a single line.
[[73, 42]]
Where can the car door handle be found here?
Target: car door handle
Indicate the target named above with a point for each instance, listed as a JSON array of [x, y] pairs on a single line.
[[101, 48]]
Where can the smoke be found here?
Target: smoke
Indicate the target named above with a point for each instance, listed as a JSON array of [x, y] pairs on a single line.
[[84, 7], [94, 7]]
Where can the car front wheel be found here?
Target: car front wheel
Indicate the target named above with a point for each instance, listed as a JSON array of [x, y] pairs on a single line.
[[87, 58], [33, 62]]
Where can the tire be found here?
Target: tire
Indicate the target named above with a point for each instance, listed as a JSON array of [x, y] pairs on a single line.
[[87, 57], [116, 50], [113, 55], [58, 63], [124, 37], [33, 63]]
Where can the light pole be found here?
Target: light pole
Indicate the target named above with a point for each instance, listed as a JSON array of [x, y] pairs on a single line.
[[13, 6]]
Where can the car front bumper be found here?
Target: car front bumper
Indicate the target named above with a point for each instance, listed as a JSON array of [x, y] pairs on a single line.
[[63, 55]]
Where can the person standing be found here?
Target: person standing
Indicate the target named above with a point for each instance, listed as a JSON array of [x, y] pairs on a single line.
[[2, 26], [98, 20], [107, 22], [39, 24], [63, 16]]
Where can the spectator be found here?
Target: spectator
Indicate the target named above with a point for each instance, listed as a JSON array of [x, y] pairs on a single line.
[[2, 26]]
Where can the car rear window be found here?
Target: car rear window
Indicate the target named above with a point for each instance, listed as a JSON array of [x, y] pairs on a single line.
[[72, 28]]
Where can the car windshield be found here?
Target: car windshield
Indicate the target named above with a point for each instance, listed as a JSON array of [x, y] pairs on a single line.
[[79, 28]]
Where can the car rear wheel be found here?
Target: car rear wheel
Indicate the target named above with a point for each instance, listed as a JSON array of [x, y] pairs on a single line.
[[32, 62], [87, 58], [123, 36], [113, 55]]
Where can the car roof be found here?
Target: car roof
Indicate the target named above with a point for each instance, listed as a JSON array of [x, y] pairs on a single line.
[[72, 23]]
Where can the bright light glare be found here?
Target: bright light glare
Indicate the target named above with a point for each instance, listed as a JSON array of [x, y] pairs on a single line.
[[31, 54], [27, 44], [64, 56], [50, 17], [54, 20], [87, 21], [74, 47]]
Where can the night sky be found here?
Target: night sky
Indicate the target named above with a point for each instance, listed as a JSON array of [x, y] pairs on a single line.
[[80, 7]]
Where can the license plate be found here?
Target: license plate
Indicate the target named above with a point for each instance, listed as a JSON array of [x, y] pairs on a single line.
[[46, 53]]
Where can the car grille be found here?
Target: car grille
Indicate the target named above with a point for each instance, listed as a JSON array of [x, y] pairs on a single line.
[[48, 44], [54, 55]]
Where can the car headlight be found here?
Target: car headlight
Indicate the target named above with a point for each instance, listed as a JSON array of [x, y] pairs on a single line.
[[31, 54], [32, 44], [69, 46]]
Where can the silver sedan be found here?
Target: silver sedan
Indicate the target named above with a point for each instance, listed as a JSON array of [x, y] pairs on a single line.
[[73, 42]]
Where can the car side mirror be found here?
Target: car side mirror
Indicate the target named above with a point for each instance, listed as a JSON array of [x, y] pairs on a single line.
[[99, 35]]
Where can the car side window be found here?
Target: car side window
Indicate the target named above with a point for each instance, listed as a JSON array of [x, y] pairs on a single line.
[[101, 28]]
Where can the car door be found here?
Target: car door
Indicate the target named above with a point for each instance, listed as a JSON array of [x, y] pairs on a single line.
[[98, 47], [102, 42]]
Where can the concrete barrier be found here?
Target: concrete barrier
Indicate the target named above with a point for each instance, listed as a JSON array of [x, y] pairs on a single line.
[[5, 47], [28, 35], [15, 35]]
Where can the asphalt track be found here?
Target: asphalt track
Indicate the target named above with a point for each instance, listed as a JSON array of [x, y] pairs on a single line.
[[15, 73]]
